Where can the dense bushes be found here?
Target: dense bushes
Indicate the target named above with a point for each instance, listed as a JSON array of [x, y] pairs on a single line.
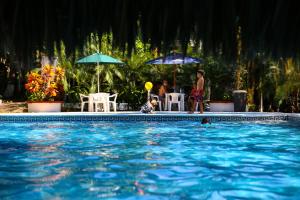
[[274, 84]]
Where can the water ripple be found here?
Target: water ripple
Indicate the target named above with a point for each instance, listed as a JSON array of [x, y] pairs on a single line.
[[150, 160]]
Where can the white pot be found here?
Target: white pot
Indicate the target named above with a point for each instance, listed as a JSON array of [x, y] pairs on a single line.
[[49, 106], [123, 106], [221, 106]]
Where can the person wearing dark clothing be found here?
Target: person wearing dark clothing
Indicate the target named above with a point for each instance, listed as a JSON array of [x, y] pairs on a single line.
[[148, 107]]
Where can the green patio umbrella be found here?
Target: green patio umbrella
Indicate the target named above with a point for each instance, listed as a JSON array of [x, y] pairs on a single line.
[[99, 59]]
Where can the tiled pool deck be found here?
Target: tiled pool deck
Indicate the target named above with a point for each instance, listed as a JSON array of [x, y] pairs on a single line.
[[137, 116]]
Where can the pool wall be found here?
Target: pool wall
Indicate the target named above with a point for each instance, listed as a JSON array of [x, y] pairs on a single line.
[[294, 117], [135, 116]]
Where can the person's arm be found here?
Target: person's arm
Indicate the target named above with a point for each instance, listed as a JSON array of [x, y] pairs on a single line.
[[200, 84], [161, 91]]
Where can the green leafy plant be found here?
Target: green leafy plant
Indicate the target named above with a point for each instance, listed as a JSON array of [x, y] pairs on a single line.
[[220, 75], [134, 96]]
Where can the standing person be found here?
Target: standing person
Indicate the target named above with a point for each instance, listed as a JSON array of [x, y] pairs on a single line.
[[199, 91], [162, 92], [191, 99]]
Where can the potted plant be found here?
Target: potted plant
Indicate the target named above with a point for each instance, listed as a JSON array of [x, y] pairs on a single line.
[[45, 89], [220, 81], [224, 104]]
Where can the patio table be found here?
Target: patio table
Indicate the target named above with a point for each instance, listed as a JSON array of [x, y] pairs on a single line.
[[91, 101]]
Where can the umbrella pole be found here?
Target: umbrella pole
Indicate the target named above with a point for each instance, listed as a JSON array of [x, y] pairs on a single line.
[[98, 83], [98, 76], [174, 78]]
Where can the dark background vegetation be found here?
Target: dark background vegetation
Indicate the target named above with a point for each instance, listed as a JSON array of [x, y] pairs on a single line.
[[263, 57]]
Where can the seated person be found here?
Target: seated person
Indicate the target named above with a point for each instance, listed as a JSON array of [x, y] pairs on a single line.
[[162, 92], [148, 107]]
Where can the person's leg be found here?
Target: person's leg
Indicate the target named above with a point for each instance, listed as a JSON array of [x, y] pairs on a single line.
[[162, 100], [196, 100], [192, 104], [189, 104], [201, 106]]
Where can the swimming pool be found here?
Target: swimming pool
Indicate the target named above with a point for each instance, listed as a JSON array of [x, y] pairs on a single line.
[[150, 160]]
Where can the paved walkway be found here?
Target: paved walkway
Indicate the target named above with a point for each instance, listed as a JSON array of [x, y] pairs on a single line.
[[13, 107]]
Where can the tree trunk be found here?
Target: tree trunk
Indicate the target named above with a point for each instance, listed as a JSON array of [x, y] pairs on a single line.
[[297, 101], [261, 104]]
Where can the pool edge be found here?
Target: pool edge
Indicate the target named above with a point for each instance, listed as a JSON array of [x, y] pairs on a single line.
[[137, 116]]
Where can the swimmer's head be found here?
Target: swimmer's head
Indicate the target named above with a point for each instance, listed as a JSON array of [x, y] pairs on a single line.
[[205, 121]]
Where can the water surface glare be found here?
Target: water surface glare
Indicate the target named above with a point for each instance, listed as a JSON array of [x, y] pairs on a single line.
[[150, 160]]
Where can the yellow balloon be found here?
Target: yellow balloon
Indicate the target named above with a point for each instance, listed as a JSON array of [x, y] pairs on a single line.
[[148, 85]]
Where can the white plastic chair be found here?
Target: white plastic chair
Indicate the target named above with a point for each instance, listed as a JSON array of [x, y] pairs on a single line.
[[84, 100], [114, 101], [196, 107], [174, 98], [98, 99], [156, 97]]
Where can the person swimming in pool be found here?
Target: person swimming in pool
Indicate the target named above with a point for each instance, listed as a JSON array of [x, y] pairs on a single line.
[[205, 120]]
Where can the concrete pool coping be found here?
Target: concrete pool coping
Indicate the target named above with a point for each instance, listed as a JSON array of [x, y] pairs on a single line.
[[137, 116]]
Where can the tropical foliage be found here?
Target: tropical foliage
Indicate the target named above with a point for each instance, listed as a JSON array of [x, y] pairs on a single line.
[[272, 84], [126, 80], [240, 46], [288, 86]]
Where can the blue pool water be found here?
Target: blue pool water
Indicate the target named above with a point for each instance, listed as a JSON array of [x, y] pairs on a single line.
[[150, 160]]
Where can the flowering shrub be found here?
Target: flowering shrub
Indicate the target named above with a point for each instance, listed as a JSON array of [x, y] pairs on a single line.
[[46, 84]]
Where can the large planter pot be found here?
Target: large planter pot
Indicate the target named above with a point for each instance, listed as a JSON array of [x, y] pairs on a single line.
[[123, 106], [44, 106], [240, 100], [221, 106]]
